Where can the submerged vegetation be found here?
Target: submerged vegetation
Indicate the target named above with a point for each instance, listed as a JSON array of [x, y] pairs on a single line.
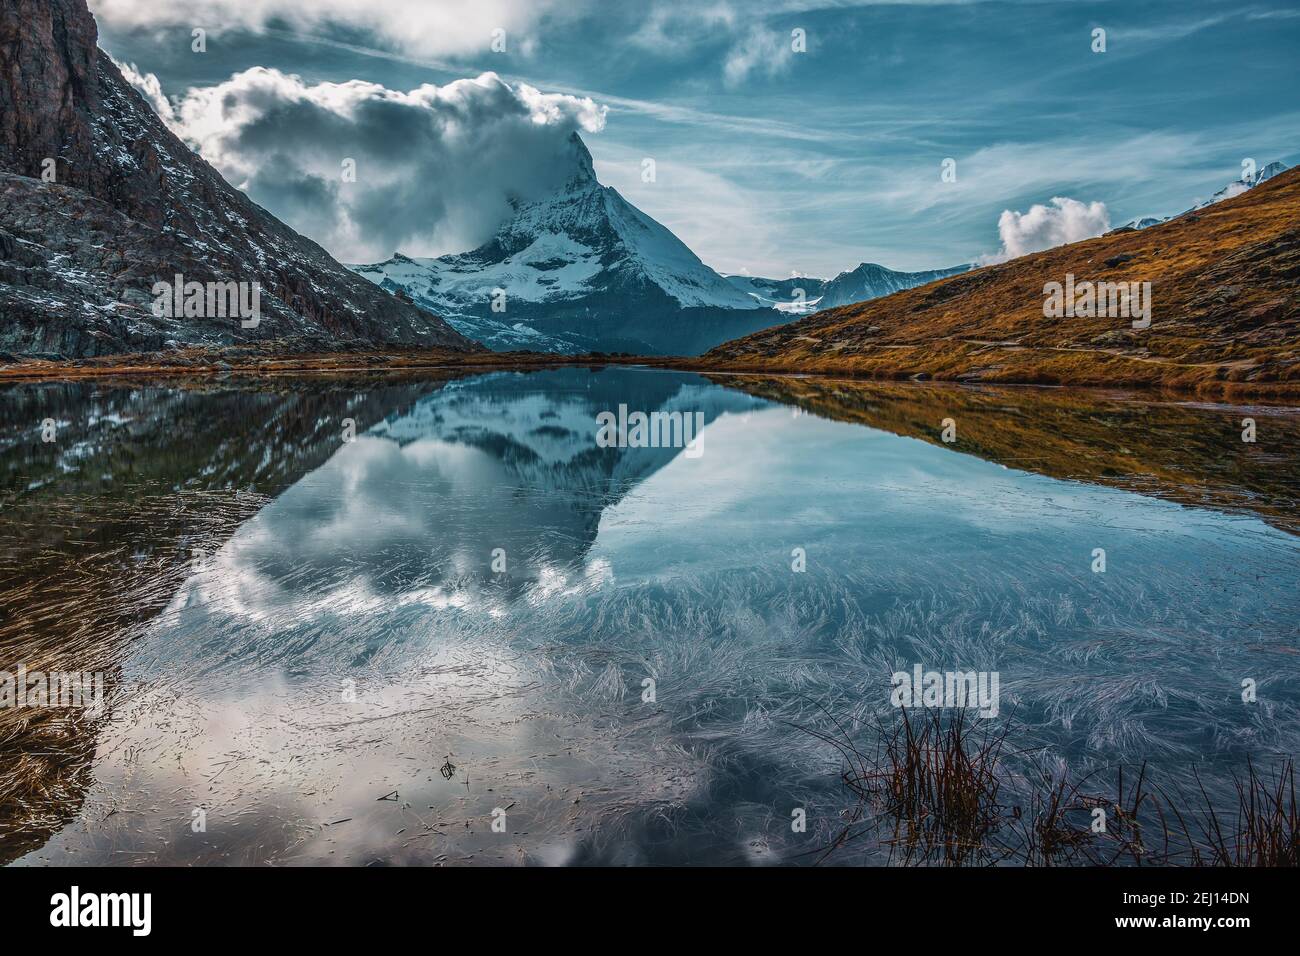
[[943, 788]]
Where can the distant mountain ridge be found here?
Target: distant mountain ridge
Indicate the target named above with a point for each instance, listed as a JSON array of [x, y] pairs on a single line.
[[871, 281], [1235, 188], [132, 206], [797, 295], [579, 269], [802, 295]]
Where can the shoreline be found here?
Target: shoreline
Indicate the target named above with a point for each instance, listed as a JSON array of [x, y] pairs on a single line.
[[1021, 366], [235, 364]]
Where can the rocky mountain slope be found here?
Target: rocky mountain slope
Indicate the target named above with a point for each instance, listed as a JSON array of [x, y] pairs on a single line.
[[130, 205], [581, 269], [1225, 312]]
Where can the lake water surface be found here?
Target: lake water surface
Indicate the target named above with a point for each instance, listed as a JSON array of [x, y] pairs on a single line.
[[366, 651]]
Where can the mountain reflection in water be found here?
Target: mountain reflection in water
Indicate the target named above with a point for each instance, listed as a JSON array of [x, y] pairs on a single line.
[[295, 627]]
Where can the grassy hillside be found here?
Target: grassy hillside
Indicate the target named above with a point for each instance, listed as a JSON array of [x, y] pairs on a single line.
[[1225, 313]]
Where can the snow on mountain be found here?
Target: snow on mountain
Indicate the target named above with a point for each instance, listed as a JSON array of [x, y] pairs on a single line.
[[871, 281], [543, 441], [802, 295], [796, 296], [1235, 188], [581, 269], [526, 443], [1239, 186], [1144, 222]]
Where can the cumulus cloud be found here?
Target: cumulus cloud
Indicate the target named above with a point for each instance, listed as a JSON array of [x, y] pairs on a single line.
[[151, 89], [1043, 227], [429, 27], [436, 168]]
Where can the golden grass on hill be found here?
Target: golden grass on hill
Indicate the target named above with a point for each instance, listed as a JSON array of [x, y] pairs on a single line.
[[1225, 313]]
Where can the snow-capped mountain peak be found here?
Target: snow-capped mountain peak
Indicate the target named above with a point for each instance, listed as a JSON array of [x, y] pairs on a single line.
[[1235, 188], [1268, 172], [580, 268], [870, 280]]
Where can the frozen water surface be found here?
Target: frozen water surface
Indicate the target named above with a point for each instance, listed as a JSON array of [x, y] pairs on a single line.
[[355, 652]]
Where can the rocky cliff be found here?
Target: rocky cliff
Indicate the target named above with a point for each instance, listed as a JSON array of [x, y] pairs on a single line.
[[99, 201]]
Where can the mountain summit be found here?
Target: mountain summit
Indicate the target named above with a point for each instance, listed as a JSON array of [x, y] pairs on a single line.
[[1234, 188], [801, 295], [579, 269], [99, 202], [872, 281]]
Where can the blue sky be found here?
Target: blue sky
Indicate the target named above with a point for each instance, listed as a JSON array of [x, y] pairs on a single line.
[[773, 161]]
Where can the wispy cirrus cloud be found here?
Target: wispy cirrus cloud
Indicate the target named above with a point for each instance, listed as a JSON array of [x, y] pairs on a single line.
[[1012, 169], [750, 47], [676, 29], [759, 51], [1172, 29], [833, 158]]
